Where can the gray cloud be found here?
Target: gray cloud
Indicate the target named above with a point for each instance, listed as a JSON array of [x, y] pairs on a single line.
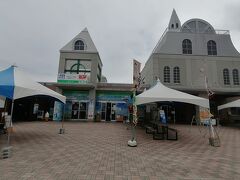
[[32, 32]]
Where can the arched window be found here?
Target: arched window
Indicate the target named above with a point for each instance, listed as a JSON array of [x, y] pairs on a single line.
[[79, 45], [235, 77], [166, 74], [176, 75], [226, 78], [187, 46], [212, 47]]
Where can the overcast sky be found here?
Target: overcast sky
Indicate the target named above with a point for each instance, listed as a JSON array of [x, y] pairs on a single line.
[[33, 31]]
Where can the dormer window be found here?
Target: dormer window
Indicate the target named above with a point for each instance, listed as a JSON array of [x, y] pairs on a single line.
[[79, 45], [172, 26], [212, 47], [176, 25]]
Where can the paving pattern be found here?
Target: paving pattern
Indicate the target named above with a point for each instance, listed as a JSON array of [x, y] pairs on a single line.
[[99, 151]]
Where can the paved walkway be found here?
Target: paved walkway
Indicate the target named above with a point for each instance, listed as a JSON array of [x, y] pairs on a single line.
[[100, 151]]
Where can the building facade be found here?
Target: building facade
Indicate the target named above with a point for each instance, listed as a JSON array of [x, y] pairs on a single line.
[[194, 57], [80, 79]]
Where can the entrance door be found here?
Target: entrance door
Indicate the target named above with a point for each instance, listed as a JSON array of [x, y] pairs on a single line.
[[113, 111], [83, 110], [103, 111], [75, 110], [108, 112]]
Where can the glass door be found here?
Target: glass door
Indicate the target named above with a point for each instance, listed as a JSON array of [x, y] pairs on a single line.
[[103, 111], [113, 111], [108, 112], [75, 110], [83, 110]]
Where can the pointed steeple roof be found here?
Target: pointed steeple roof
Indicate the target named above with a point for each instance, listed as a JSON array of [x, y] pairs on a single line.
[[174, 23], [85, 37]]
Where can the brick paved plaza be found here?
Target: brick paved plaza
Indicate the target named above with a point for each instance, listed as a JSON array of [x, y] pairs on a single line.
[[100, 151]]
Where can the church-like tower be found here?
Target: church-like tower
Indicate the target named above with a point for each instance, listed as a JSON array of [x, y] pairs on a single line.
[[174, 23], [188, 54]]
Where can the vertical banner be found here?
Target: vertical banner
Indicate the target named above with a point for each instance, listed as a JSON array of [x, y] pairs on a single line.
[[135, 120], [136, 82], [90, 109], [136, 72], [58, 111]]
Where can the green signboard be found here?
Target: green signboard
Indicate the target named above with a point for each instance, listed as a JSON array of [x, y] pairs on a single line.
[[76, 95]]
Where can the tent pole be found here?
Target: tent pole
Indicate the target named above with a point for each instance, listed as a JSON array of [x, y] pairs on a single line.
[[10, 124], [63, 115], [61, 130]]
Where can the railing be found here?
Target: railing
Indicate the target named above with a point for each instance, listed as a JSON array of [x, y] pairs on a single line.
[[219, 31]]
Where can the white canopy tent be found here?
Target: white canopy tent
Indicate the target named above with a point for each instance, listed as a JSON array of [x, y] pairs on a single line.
[[229, 105], [15, 84], [162, 93]]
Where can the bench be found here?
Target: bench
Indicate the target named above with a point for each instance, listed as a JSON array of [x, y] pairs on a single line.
[[150, 129], [158, 134]]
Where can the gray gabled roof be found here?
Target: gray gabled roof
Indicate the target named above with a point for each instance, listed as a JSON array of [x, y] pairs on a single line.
[[86, 38]]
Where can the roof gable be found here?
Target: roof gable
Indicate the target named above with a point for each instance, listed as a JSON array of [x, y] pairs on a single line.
[[84, 36]]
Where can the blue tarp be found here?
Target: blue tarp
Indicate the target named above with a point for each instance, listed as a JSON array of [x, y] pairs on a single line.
[[7, 83]]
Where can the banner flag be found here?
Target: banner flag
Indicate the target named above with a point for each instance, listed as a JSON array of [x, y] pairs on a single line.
[[136, 72]]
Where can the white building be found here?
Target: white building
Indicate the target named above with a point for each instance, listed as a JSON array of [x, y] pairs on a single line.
[[189, 55]]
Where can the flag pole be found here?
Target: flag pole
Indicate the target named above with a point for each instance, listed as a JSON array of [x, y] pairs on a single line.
[[132, 142], [136, 83], [214, 139], [62, 130]]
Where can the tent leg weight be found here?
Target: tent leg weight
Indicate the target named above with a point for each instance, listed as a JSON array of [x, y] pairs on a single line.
[[214, 142], [6, 152], [61, 131]]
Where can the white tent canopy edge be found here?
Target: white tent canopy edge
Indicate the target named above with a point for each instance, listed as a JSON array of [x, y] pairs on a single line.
[[162, 93], [25, 87], [230, 105]]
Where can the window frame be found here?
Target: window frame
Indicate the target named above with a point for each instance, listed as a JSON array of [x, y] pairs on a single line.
[[235, 75], [212, 48], [176, 75], [187, 46], [226, 76], [166, 74], [78, 64], [80, 46]]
